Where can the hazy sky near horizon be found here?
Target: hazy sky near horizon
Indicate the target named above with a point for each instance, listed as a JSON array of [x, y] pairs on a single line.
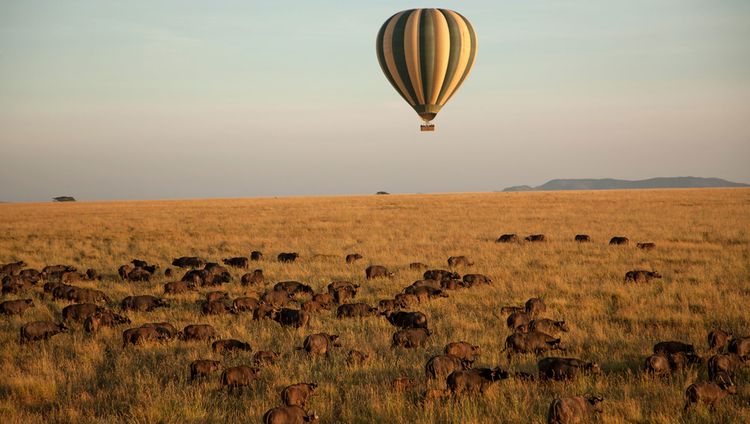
[[181, 99]]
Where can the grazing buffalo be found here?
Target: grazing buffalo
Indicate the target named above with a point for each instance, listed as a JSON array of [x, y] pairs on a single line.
[[288, 415], [312, 307], [535, 238], [641, 276], [433, 284], [237, 262], [387, 306], [411, 338], [239, 377], [518, 320], [572, 410], [708, 392], [377, 271], [40, 330], [405, 300], [718, 340], [472, 279], [202, 368], [353, 257], [230, 345], [582, 238], [723, 363], [215, 307], [297, 394], [533, 342], [16, 307], [463, 350], [440, 274], [646, 246], [287, 257], [441, 366], [424, 293], [166, 330], [507, 238], [457, 261], [553, 368], [356, 357], [325, 300], [79, 312], [402, 319], [256, 255], [12, 267], [104, 319], [276, 298], [294, 288], [475, 380], [292, 318], [342, 291], [535, 307], [245, 304], [189, 262], [265, 357], [144, 303], [179, 287], [168, 273], [139, 274], [740, 346], [13, 284], [418, 266], [657, 364], [251, 278], [320, 344], [673, 347], [619, 240], [401, 384], [217, 295], [198, 332], [139, 335], [265, 311], [548, 326], [355, 310]]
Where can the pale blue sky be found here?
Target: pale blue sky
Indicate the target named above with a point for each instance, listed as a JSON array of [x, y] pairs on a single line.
[[174, 99]]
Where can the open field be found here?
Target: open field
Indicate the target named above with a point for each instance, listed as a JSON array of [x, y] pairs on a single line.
[[703, 252]]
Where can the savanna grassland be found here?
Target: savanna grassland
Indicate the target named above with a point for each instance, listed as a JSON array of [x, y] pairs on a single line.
[[703, 253]]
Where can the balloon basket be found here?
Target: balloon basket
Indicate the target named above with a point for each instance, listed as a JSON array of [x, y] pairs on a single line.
[[427, 127]]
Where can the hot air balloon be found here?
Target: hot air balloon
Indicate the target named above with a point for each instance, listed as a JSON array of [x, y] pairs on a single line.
[[426, 54]]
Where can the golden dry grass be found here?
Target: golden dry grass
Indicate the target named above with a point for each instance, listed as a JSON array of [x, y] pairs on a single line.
[[703, 247]]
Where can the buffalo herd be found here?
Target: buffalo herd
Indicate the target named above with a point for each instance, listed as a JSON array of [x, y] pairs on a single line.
[[293, 303]]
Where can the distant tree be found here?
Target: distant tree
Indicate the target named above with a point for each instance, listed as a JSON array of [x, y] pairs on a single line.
[[382, 192], [64, 199]]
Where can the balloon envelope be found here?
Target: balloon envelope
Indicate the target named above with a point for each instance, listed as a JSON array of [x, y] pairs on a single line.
[[426, 54]]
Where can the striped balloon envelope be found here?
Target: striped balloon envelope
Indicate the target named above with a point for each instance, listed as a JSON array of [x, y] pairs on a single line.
[[426, 54]]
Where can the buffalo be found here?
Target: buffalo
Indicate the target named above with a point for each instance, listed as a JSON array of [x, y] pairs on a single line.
[[441, 366], [462, 350], [536, 238], [103, 319], [251, 278], [353, 257], [215, 307], [179, 287], [377, 271], [265, 357], [582, 238], [641, 276], [288, 415], [198, 332], [292, 318], [549, 326], [189, 262], [533, 342], [40, 330], [402, 319], [507, 238], [740, 346], [440, 274], [474, 380], [473, 279], [457, 261], [723, 363], [718, 340], [237, 262], [16, 307], [144, 303], [79, 312], [708, 392], [576, 409], [646, 246], [202, 368], [553, 368], [256, 255], [320, 344], [410, 338], [297, 394], [619, 240], [418, 266], [239, 377], [244, 304], [355, 310], [230, 345], [294, 288], [287, 257]]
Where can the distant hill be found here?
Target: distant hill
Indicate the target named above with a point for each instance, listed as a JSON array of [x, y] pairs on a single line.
[[613, 184]]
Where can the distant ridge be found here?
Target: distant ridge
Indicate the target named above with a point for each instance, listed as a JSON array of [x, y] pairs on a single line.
[[613, 184]]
